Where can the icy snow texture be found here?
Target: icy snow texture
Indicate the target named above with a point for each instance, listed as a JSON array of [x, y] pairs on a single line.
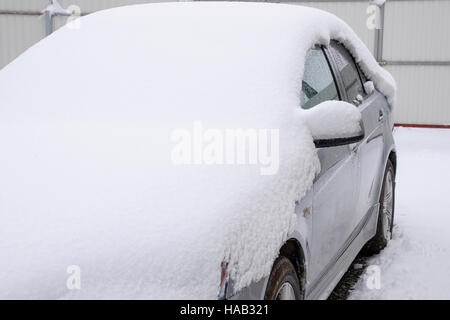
[[333, 119], [86, 118], [416, 263]]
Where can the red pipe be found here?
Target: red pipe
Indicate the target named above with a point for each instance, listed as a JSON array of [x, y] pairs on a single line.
[[438, 126]]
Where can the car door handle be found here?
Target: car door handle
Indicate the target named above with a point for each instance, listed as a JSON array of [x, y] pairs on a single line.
[[358, 100], [380, 116]]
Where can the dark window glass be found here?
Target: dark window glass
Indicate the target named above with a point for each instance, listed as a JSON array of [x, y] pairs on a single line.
[[318, 83], [349, 71]]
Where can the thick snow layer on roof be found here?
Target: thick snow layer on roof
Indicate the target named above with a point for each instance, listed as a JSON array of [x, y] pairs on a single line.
[[87, 115]]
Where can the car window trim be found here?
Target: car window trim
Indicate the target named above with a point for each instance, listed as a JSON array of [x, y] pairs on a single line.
[[360, 75], [358, 70], [336, 74]]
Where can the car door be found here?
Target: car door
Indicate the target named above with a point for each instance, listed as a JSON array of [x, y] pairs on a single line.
[[334, 190], [370, 149]]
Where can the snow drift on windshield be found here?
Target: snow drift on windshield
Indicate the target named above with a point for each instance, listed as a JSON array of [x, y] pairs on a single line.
[[86, 118]]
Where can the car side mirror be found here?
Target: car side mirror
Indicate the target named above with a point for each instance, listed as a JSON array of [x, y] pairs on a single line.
[[334, 123]]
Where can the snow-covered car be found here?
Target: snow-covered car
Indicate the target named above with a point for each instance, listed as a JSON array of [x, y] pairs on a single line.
[[98, 199]]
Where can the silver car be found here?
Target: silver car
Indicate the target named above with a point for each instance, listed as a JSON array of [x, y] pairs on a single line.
[[92, 183], [351, 203]]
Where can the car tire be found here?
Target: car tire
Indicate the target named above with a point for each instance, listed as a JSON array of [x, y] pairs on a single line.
[[385, 215], [283, 282]]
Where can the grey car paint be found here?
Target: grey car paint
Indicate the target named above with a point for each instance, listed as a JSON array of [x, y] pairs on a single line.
[[339, 214]]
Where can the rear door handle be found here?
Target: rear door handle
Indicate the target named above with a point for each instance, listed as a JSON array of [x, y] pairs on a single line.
[[380, 116]]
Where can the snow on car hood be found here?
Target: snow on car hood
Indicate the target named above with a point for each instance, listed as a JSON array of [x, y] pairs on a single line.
[[87, 119]]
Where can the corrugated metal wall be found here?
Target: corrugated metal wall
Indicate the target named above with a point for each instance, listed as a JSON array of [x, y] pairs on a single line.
[[18, 33], [416, 45], [417, 42], [22, 24], [95, 5], [85, 5]]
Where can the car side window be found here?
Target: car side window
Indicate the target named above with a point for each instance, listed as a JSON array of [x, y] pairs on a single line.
[[349, 71], [318, 83]]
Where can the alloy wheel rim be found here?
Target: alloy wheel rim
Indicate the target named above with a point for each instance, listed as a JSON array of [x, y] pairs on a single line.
[[388, 207], [286, 292]]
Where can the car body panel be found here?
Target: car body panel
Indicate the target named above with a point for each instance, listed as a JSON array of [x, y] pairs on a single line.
[[333, 216]]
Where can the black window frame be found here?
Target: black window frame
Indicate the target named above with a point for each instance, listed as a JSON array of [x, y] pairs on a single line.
[[332, 70], [336, 74]]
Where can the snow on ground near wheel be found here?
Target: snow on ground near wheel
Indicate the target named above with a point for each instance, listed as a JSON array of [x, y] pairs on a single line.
[[416, 263], [86, 119]]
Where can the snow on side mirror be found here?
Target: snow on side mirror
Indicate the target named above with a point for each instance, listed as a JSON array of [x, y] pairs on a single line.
[[334, 123], [369, 87]]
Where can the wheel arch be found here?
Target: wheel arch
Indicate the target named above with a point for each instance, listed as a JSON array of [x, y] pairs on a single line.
[[393, 158], [292, 249], [389, 155]]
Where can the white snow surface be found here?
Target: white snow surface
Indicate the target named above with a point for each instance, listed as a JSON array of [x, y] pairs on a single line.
[[416, 263], [333, 119], [86, 117]]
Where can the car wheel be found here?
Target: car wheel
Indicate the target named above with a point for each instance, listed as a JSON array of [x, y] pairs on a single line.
[[283, 282], [385, 215]]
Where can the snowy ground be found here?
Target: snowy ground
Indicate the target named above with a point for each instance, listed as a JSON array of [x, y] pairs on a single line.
[[416, 263]]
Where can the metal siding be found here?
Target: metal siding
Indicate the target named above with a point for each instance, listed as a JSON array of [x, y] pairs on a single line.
[[85, 5], [423, 95], [58, 22], [353, 13], [417, 30], [18, 33], [88, 6], [23, 5]]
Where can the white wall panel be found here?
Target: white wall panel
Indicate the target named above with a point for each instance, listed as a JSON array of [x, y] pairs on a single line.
[[417, 30], [85, 5], [95, 5], [18, 33], [423, 95], [24, 5]]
